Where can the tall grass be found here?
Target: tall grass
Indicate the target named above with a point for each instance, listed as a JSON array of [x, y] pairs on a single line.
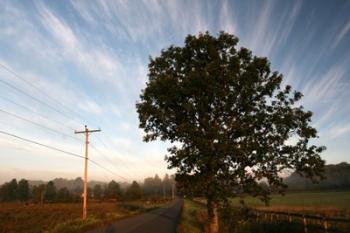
[[65, 217], [193, 218]]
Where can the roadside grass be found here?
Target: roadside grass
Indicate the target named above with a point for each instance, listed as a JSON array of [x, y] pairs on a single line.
[[193, 217], [66, 217]]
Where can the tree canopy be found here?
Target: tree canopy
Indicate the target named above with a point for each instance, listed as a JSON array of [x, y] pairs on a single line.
[[134, 191], [234, 122]]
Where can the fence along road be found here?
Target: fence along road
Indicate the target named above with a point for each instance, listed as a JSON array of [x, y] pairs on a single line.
[[324, 224]]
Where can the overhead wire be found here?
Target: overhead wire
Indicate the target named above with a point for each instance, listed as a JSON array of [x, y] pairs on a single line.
[[36, 99], [41, 144], [106, 157], [59, 150], [42, 102], [39, 90], [38, 124], [35, 112]]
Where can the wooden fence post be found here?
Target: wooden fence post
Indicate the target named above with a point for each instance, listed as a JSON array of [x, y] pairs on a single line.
[[305, 224], [325, 225], [289, 218]]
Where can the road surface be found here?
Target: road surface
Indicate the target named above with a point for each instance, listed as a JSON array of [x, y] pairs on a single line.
[[162, 220]]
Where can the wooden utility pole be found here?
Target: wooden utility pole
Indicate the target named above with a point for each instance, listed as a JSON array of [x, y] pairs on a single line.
[[86, 132]]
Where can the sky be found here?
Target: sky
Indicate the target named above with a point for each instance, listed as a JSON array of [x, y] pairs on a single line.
[[64, 64]]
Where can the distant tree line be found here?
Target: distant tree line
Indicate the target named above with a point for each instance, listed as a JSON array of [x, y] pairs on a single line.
[[335, 177], [153, 187]]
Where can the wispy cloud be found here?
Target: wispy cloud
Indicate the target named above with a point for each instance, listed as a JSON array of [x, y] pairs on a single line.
[[97, 61], [339, 131], [343, 32]]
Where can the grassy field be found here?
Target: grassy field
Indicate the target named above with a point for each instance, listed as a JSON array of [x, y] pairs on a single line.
[[192, 218], [64, 218], [335, 204], [327, 203]]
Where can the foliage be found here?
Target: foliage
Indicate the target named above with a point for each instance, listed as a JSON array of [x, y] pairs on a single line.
[[50, 192], [63, 195], [155, 187], [38, 193], [336, 177], [97, 192], [56, 191], [230, 116], [8, 191], [134, 191], [23, 190], [113, 190]]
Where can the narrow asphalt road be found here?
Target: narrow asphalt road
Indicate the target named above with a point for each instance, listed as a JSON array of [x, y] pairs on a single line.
[[162, 220]]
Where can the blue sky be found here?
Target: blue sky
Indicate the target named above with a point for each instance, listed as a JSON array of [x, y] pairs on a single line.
[[89, 60]]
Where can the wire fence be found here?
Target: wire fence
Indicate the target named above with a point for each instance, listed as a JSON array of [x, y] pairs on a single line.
[[311, 223]]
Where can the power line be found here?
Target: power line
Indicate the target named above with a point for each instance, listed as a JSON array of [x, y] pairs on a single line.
[[39, 90], [56, 131], [38, 124], [106, 157], [40, 101], [46, 95], [113, 173], [59, 150], [36, 99], [41, 144], [36, 88], [31, 110]]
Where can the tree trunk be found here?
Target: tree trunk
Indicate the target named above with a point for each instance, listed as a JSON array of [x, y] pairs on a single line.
[[213, 219]]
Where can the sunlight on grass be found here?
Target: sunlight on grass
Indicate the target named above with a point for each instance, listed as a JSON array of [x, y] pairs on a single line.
[[192, 217]]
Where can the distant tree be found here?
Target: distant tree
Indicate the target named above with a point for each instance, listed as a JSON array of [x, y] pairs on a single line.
[[148, 186], [89, 192], [63, 195], [97, 191], [166, 185], [113, 190], [134, 192], [158, 189], [8, 191], [78, 191], [38, 193], [50, 193], [153, 186], [23, 190], [337, 176], [231, 117]]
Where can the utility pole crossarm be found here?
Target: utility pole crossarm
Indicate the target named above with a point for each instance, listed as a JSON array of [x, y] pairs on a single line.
[[76, 132], [88, 130]]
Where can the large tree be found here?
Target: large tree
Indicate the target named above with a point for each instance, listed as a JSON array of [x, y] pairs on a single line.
[[234, 122]]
